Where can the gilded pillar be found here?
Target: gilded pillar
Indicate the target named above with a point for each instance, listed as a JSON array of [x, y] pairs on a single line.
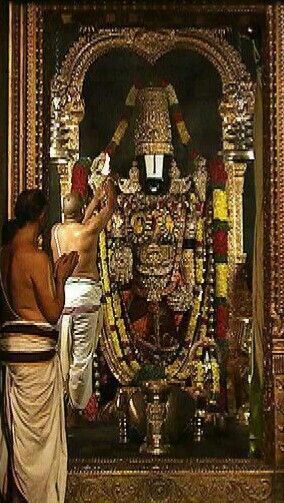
[[25, 100], [16, 102], [273, 102]]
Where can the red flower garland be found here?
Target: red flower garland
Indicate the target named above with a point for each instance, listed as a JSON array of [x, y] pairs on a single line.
[[222, 318], [79, 180], [220, 242], [217, 171]]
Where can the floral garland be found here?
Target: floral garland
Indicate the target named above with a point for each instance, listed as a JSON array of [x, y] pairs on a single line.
[[119, 333], [79, 177], [118, 343], [218, 179], [115, 323]]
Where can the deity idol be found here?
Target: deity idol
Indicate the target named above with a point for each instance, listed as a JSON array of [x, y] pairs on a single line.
[[156, 255]]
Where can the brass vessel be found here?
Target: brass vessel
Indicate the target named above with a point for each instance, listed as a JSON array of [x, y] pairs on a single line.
[[156, 396]]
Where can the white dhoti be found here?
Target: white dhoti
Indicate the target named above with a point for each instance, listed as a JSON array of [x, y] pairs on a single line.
[[33, 451], [80, 329]]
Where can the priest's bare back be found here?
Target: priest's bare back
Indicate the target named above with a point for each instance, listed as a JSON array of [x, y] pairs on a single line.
[[81, 232]]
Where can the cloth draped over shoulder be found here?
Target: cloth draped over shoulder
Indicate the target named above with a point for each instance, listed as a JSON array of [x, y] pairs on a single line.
[[33, 450]]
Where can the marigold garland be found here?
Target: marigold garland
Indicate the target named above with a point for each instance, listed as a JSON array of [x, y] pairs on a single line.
[[221, 280], [220, 209], [218, 179], [120, 131], [114, 321]]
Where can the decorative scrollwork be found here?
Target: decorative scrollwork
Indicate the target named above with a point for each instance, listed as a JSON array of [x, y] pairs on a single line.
[[185, 488]]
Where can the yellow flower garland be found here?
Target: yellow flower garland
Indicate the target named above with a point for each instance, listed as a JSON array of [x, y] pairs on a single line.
[[220, 209], [221, 285], [199, 270], [199, 230], [114, 314], [197, 373], [216, 376], [172, 97]]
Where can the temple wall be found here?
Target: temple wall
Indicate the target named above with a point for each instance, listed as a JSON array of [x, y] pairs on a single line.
[[3, 111]]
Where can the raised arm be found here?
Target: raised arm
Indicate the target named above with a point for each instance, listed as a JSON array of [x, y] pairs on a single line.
[[98, 222], [93, 204], [49, 290]]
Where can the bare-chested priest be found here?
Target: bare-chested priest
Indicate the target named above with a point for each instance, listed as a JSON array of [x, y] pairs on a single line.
[[82, 316], [33, 453]]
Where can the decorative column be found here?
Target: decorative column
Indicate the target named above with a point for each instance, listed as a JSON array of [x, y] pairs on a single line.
[[16, 101], [236, 110], [25, 100], [273, 102], [64, 150]]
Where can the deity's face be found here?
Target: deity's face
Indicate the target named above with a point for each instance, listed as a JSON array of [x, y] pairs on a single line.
[[155, 172]]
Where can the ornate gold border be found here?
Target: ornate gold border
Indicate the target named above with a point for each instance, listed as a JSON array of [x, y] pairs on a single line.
[[170, 488], [168, 480], [31, 97], [34, 96], [273, 45], [274, 239], [25, 129], [17, 39]]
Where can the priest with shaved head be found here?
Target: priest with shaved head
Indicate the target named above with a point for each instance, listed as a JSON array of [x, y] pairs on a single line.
[[82, 316]]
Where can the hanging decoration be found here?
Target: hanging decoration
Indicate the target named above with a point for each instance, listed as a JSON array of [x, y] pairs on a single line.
[[218, 179]]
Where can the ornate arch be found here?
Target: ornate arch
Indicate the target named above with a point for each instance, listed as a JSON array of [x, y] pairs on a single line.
[[236, 107], [151, 46]]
